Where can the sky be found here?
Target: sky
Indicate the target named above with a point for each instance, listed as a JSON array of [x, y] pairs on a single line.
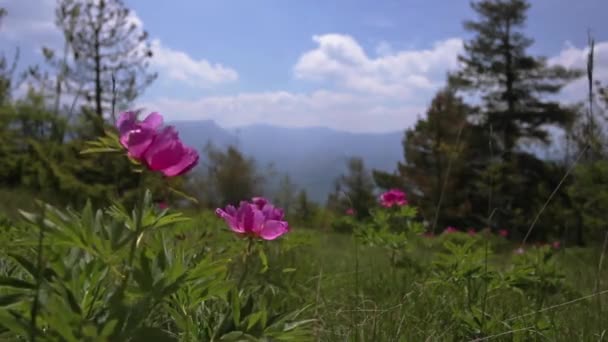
[[352, 65]]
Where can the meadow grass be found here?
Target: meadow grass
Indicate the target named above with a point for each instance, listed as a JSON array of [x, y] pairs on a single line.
[[359, 296]]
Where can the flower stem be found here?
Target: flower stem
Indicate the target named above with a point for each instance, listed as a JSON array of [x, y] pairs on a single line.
[[245, 262]]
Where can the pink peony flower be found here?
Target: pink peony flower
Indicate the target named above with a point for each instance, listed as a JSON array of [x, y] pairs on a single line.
[[503, 232], [251, 220], [556, 244], [159, 150], [393, 197], [163, 205], [350, 211], [471, 231], [450, 230], [168, 154]]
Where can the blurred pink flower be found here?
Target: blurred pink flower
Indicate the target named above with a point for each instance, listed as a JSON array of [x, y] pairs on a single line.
[[159, 150], [520, 251], [162, 205], [503, 232], [450, 230], [556, 244], [250, 220], [350, 211], [471, 231], [393, 197]]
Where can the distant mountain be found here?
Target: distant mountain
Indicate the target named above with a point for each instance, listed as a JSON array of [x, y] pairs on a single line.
[[314, 157]]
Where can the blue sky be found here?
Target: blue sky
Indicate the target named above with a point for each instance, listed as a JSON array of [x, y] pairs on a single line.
[[346, 64]]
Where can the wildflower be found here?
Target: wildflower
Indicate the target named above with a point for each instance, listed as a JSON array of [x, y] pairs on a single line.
[[556, 244], [520, 251], [471, 231], [159, 150], [503, 232], [251, 220], [393, 197], [450, 230], [136, 136], [163, 205], [350, 211]]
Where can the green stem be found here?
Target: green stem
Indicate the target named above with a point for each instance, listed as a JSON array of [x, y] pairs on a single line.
[[36, 303], [245, 263], [138, 230]]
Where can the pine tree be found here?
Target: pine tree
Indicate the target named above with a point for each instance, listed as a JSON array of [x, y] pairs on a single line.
[[510, 82], [231, 176], [437, 151], [358, 187], [512, 87], [109, 59]]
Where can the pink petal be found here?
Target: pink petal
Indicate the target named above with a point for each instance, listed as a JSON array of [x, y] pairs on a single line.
[[229, 219], [273, 229], [138, 141], [153, 121], [260, 202], [188, 160], [164, 150], [127, 121], [258, 221]]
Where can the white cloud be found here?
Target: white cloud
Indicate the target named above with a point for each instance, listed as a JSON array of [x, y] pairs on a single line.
[[179, 66], [30, 21], [340, 59], [338, 110], [573, 57], [384, 48]]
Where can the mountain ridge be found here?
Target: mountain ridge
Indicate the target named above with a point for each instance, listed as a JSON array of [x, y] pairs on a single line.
[[313, 156]]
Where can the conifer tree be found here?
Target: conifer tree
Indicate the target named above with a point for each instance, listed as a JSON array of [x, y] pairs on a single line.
[[510, 82]]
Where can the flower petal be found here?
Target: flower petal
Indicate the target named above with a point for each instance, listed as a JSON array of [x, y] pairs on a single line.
[[273, 229], [188, 160], [229, 219], [153, 121]]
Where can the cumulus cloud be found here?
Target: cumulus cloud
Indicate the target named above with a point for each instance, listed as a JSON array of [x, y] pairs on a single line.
[[340, 59], [338, 110], [576, 57], [179, 66]]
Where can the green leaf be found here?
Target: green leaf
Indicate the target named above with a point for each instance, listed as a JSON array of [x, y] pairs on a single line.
[[92, 150], [11, 299], [14, 322], [289, 270], [233, 336], [148, 334], [15, 283], [26, 264], [236, 307], [264, 260], [184, 195], [293, 325], [254, 318]]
